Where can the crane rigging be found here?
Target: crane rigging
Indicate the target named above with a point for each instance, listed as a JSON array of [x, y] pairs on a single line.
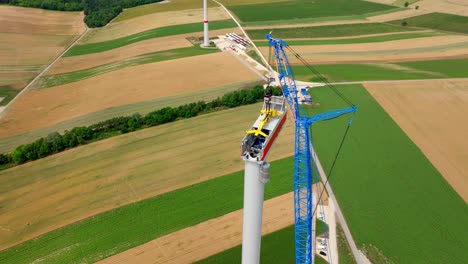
[[302, 154], [255, 148]]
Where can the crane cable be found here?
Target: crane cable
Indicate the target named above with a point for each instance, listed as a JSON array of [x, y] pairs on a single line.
[[322, 78], [329, 174], [344, 98]]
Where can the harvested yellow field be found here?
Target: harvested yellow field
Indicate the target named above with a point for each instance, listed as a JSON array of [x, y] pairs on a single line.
[[29, 49], [33, 37], [76, 63], [142, 23], [110, 173], [44, 107], [397, 50], [37, 21], [456, 7], [432, 114]]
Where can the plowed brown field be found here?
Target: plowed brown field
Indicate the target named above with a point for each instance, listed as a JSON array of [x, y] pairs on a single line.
[[150, 21], [433, 115]]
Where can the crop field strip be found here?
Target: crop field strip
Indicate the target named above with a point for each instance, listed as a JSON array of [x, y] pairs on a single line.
[[20, 60], [9, 143], [329, 31], [438, 21], [64, 78], [435, 137], [454, 68], [176, 5], [300, 9], [89, 174], [149, 34], [371, 39], [128, 226], [136, 84], [331, 19], [276, 247]]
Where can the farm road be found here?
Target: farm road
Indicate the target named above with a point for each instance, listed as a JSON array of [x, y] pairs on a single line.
[[4, 108]]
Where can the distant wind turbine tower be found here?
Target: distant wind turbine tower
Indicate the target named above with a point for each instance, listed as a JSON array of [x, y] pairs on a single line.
[[206, 41]]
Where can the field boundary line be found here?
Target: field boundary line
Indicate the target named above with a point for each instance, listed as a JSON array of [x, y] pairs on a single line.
[[410, 80], [5, 108]]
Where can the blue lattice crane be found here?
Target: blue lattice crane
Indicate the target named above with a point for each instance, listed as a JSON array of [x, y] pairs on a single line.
[[302, 154]]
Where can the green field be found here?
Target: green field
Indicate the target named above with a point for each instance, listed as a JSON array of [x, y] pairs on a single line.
[[8, 93], [299, 9], [456, 68], [372, 39], [391, 195], [276, 247], [328, 31], [319, 19], [69, 77], [109, 233], [439, 21], [149, 34]]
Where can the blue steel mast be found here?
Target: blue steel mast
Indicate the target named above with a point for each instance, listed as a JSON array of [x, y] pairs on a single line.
[[302, 155]]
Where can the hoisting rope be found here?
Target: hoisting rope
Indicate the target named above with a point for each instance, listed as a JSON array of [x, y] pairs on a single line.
[[318, 74], [344, 98], [330, 172]]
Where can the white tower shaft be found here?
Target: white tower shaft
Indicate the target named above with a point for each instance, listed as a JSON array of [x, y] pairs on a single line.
[[253, 212], [206, 40]]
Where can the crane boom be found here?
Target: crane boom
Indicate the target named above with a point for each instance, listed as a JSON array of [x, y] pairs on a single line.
[[302, 156]]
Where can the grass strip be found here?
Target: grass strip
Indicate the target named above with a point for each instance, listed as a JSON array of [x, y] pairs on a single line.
[[276, 247], [305, 9], [439, 21], [69, 77], [455, 68], [319, 19], [8, 94], [329, 31], [117, 230], [149, 34], [372, 39]]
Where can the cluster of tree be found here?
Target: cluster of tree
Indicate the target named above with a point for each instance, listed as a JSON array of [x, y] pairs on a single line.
[[56, 142], [62, 5], [97, 12]]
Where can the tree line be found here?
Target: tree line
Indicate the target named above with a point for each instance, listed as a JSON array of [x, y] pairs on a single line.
[[56, 142], [97, 12]]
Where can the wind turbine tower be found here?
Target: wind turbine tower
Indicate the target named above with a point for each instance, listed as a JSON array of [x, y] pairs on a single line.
[[206, 40]]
